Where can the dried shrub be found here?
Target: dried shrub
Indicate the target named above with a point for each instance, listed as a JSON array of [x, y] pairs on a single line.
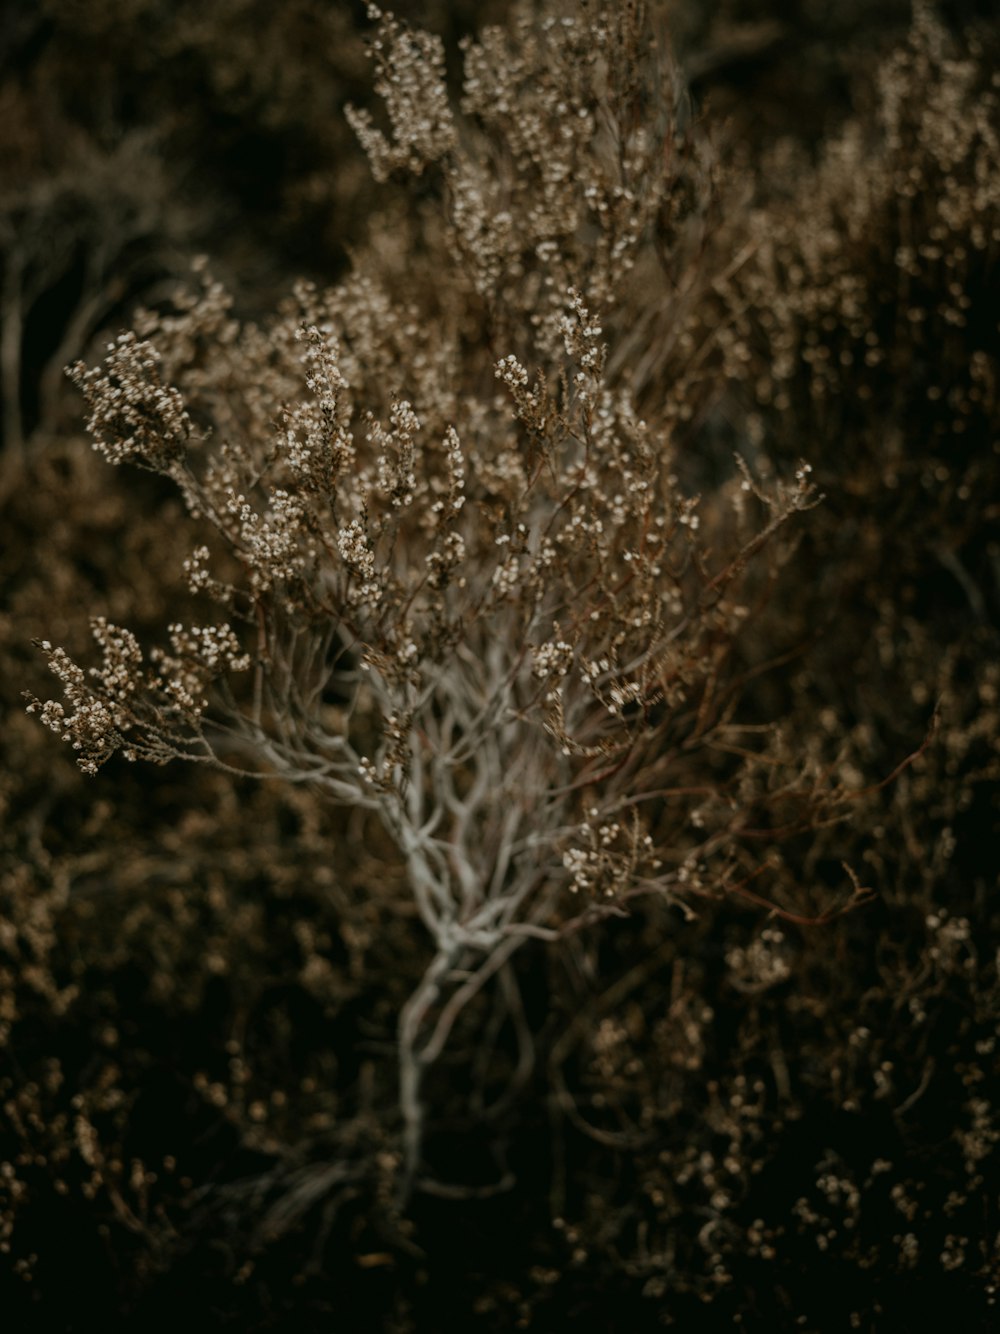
[[506, 590]]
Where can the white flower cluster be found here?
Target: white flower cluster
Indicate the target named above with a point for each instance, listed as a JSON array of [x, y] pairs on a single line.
[[611, 858], [618, 694], [445, 559], [318, 443], [510, 371], [119, 674], [196, 568], [134, 416], [507, 575], [455, 463], [487, 235], [322, 363], [198, 653], [352, 543], [214, 647], [272, 543], [529, 404], [95, 726], [554, 658], [579, 333], [580, 339], [395, 451], [583, 866], [410, 80]]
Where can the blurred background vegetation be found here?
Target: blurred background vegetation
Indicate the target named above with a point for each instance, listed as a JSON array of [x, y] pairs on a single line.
[[786, 1127]]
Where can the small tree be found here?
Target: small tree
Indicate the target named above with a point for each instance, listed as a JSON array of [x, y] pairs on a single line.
[[462, 587]]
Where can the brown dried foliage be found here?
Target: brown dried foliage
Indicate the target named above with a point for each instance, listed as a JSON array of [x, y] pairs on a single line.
[[537, 729]]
